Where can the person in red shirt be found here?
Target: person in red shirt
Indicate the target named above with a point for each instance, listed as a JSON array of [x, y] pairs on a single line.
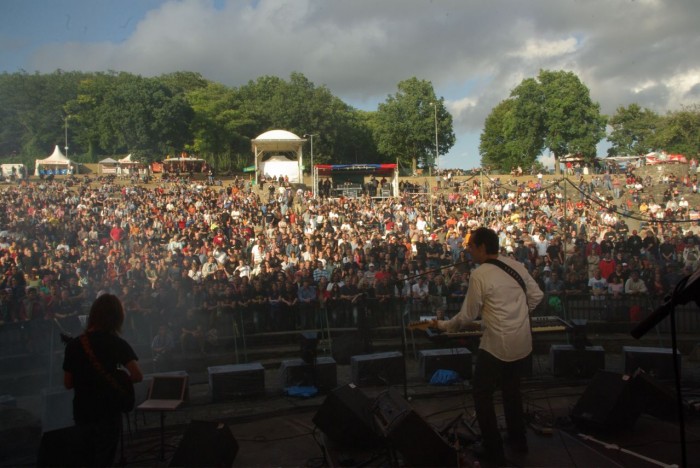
[[117, 233], [607, 266]]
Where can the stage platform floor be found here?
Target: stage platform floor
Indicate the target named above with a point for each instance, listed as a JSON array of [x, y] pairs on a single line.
[[277, 430]]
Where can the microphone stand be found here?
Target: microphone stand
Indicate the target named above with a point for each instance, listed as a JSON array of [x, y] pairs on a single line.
[[680, 295]]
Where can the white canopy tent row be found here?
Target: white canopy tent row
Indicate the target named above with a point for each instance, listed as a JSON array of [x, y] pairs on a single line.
[[56, 164]]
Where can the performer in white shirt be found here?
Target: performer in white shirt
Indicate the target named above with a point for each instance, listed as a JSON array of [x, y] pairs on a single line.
[[504, 307]]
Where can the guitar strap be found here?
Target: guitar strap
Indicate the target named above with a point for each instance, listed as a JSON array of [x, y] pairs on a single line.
[[516, 276], [98, 366], [505, 267]]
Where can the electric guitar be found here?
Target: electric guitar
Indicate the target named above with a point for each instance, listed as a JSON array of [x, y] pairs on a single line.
[[118, 379]]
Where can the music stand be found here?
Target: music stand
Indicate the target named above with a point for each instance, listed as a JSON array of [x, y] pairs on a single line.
[[166, 393]]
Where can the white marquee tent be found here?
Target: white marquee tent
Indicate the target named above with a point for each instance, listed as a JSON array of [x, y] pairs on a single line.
[[56, 164]]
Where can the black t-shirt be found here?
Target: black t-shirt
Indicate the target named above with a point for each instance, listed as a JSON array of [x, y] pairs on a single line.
[[91, 402]]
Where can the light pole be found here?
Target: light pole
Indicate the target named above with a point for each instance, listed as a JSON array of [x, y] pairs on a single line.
[[436, 136], [65, 128], [313, 175]]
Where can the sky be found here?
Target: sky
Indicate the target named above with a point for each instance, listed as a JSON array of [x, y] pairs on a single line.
[[473, 52]]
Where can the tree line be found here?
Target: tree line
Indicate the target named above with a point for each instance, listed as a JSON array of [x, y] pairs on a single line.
[[112, 113], [115, 113]]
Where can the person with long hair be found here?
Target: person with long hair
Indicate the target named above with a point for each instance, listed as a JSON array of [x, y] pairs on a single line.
[[89, 361]]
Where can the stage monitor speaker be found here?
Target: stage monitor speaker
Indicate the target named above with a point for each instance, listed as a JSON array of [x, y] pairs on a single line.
[[63, 447], [323, 373], [656, 362], [607, 404], [206, 443], [231, 381], [346, 418], [417, 442], [378, 369], [454, 359], [569, 361], [654, 397]]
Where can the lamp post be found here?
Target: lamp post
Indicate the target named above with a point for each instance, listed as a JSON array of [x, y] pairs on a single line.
[[313, 174], [65, 128], [436, 135]]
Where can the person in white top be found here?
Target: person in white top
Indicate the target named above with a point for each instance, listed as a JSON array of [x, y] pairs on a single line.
[[504, 307]]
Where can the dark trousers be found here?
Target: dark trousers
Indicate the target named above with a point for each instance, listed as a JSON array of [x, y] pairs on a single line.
[[491, 373]]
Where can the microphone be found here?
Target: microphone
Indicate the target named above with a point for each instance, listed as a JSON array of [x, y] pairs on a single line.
[[685, 291]]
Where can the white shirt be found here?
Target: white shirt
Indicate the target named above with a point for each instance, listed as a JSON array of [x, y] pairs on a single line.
[[504, 309]]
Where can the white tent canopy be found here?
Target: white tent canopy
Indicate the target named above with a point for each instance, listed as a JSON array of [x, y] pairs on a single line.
[[127, 160], [270, 146], [56, 164]]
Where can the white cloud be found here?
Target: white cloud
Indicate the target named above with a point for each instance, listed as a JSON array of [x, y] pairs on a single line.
[[641, 51], [534, 48]]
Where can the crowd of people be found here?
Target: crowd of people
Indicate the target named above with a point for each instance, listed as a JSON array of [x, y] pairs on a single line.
[[184, 256]]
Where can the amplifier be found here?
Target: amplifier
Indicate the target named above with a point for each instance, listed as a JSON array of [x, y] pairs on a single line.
[[656, 362], [378, 369], [454, 359], [567, 361], [323, 375], [236, 380]]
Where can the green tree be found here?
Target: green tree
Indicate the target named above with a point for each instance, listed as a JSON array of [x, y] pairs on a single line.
[[633, 130], [220, 126], [405, 124], [128, 113], [679, 132], [32, 115], [572, 121], [498, 144], [554, 111]]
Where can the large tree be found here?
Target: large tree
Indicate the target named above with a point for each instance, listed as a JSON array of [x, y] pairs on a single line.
[[679, 132], [633, 130], [554, 111], [32, 115], [128, 113], [405, 124]]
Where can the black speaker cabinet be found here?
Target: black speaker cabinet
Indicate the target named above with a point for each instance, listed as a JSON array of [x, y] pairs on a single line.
[[417, 442], [236, 380], [63, 447], [206, 443], [346, 418], [378, 369], [607, 404], [655, 398], [567, 361], [454, 359], [656, 362], [323, 374]]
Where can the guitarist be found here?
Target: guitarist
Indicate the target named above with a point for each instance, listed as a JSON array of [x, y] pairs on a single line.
[[502, 293], [90, 367]]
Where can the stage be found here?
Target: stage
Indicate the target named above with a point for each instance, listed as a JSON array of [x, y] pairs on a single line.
[[276, 430]]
